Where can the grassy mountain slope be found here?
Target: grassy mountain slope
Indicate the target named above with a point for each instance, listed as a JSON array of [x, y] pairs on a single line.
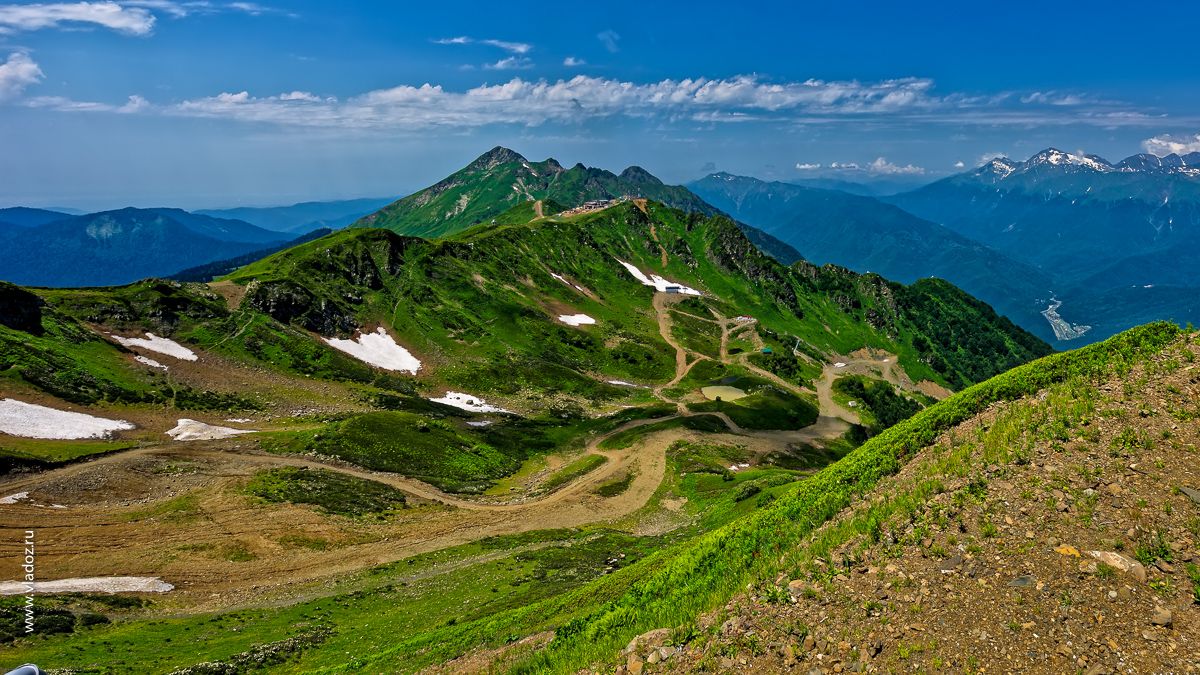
[[500, 179], [219, 268], [491, 292], [864, 234], [1005, 512], [671, 589]]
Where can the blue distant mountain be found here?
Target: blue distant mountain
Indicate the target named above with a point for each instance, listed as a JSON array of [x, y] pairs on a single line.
[[117, 247], [303, 217]]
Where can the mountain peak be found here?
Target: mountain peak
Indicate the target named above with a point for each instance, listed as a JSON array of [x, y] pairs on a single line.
[[640, 176], [1056, 157], [495, 157]]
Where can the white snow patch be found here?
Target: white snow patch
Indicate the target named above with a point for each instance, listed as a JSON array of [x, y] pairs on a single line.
[[159, 344], [14, 498], [34, 421], [480, 423], [88, 585], [839, 364], [149, 362], [378, 349], [239, 420], [191, 430], [468, 402], [576, 319], [623, 383], [660, 284]]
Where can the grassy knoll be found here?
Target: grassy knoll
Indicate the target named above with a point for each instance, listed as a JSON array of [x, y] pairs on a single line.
[[766, 407], [332, 492]]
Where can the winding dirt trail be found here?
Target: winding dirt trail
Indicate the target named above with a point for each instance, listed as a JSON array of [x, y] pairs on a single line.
[[109, 527]]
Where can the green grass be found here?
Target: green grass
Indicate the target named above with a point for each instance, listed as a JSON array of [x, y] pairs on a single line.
[[628, 437], [30, 452], [332, 492], [879, 405], [433, 450], [768, 407], [580, 467], [617, 485]]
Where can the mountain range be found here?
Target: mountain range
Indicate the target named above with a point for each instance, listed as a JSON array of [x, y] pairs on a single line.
[[501, 178], [1108, 245], [115, 247], [301, 218], [588, 431]]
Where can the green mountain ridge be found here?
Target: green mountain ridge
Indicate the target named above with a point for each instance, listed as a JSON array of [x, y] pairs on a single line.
[[501, 178]]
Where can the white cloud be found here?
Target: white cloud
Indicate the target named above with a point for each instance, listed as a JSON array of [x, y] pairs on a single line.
[[134, 104], [989, 156], [18, 72], [960, 164], [129, 20], [882, 166], [1053, 98], [845, 166], [530, 103], [513, 47], [510, 47], [1166, 144], [510, 63], [610, 39], [572, 62], [807, 167]]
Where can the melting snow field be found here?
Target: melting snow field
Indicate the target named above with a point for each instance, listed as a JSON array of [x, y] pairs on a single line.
[[576, 319], [14, 498], [88, 585], [149, 362], [191, 430], [34, 421], [660, 284], [159, 344], [468, 402], [378, 349]]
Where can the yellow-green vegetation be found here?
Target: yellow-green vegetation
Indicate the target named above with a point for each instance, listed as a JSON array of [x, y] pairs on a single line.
[[580, 467], [330, 491], [37, 453]]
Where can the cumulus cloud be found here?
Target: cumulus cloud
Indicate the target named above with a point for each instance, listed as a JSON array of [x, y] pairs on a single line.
[[807, 167], [610, 39], [883, 167], [17, 73], [1166, 144], [511, 47], [960, 164], [123, 19], [572, 62]]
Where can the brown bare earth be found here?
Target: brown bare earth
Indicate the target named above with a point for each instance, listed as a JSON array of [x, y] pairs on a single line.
[[1054, 534]]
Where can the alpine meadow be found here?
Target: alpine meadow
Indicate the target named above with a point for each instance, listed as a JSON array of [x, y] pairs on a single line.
[[833, 343]]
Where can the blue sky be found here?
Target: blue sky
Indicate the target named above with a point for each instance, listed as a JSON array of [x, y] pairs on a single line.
[[216, 103]]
